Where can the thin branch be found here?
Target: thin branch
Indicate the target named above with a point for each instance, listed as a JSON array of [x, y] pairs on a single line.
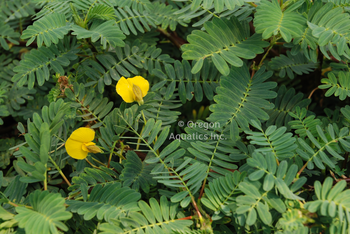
[[312, 92], [173, 37], [252, 4], [60, 171], [272, 43]]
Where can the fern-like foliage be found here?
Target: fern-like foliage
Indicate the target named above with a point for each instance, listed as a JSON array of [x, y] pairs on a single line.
[[342, 89], [138, 5], [136, 174], [164, 170], [346, 112], [114, 125], [129, 20], [261, 196], [210, 148], [232, 44], [14, 190], [164, 15], [153, 217], [207, 13], [62, 7], [8, 222], [292, 220], [334, 116], [7, 33], [331, 203], [39, 141], [189, 85], [219, 5], [274, 175], [306, 42], [342, 3], [237, 166], [47, 30], [161, 109], [107, 32], [287, 101], [270, 20], [150, 38], [291, 64], [303, 122], [48, 209], [255, 202], [107, 202], [33, 105], [36, 63], [7, 65], [100, 11], [15, 96], [16, 9], [331, 26], [92, 177], [332, 138], [210, 144], [92, 107], [241, 99], [274, 140], [221, 194]]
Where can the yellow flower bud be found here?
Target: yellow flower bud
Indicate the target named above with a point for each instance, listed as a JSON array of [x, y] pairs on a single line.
[[138, 94], [94, 149]]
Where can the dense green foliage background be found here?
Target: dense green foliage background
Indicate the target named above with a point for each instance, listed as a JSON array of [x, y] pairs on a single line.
[[245, 128]]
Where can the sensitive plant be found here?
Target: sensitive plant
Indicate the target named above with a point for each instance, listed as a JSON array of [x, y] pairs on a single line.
[[153, 116]]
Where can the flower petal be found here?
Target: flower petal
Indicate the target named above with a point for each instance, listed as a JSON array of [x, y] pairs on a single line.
[[124, 89], [74, 149], [142, 83], [83, 135]]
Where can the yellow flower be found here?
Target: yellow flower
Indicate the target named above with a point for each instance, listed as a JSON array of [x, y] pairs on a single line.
[[132, 89], [79, 144]]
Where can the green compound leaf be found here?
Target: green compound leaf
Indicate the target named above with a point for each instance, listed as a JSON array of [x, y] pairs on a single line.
[[226, 41], [291, 64], [242, 99], [47, 30], [340, 86], [270, 20], [38, 63], [108, 32], [47, 214], [7, 33]]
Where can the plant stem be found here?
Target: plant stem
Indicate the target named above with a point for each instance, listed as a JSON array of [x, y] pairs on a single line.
[[197, 210], [60, 171], [252, 4], [99, 162], [139, 140], [143, 116], [45, 181], [273, 42], [173, 37], [186, 218], [90, 163], [111, 154], [312, 92]]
